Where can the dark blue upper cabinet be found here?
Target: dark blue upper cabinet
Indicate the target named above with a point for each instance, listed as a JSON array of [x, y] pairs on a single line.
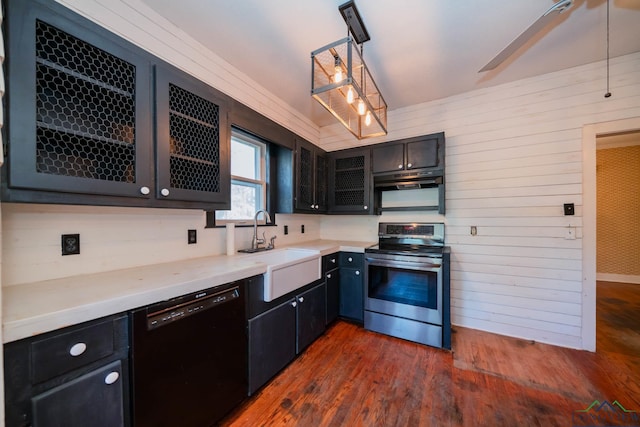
[[79, 116], [409, 155], [311, 178], [81, 119], [192, 131]]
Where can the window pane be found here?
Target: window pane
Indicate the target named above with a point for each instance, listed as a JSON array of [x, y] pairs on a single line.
[[248, 179], [245, 201], [245, 159]]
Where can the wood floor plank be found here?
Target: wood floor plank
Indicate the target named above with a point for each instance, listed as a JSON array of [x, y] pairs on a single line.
[[354, 377]]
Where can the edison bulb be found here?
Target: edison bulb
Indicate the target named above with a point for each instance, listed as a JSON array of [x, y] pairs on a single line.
[[367, 118], [361, 107], [337, 77], [350, 96]]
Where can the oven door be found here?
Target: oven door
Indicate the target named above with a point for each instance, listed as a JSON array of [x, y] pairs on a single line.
[[404, 286]]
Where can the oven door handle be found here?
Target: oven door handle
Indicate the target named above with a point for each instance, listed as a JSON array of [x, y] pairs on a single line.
[[423, 266]]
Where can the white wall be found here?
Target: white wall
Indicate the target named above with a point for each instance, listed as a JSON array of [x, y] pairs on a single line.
[[114, 238], [514, 157]]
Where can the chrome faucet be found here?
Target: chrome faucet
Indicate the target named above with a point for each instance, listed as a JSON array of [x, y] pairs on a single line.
[[256, 242]]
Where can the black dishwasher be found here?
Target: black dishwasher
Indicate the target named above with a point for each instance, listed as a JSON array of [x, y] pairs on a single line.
[[189, 358]]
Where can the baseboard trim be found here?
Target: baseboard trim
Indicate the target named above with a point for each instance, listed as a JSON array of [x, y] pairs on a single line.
[[622, 278]]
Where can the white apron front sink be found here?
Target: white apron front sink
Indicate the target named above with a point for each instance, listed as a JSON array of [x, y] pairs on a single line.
[[288, 270]]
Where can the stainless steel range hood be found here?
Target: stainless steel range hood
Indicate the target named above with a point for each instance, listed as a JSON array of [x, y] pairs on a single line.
[[417, 191], [406, 182]]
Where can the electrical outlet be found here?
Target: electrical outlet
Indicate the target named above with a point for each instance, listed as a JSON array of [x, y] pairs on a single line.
[[192, 237], [302, 228], [474, 230], [569, 209], [286, 230], [70, 244]]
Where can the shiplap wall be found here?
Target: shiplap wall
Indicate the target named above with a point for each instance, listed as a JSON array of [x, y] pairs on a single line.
[[514, 157], [113, 238]]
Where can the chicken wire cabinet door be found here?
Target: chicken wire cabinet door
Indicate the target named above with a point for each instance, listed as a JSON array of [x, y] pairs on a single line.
[[79, 106], [311, 178], [192, 133], [350, 181]]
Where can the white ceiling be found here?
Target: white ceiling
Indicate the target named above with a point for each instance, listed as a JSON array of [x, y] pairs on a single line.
[[420, 50]]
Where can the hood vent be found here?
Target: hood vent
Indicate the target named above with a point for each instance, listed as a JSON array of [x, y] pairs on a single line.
[[395, 182], [409, 192]]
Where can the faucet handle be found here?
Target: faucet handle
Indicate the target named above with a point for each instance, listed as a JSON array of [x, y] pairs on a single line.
[[272, 243]]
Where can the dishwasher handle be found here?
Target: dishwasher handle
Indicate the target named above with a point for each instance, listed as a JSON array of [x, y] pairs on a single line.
[[165, 316]]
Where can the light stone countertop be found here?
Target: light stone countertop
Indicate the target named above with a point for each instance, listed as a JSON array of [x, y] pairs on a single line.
[[326, 247], [34, 308]]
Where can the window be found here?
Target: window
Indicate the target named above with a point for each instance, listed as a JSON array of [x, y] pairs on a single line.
[[248, 178]]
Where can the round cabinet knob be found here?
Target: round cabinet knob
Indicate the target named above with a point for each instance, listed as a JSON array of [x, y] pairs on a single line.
[[301, 299], [357, 273], [399, 166], [294, 304], [409, 165], [366, 207], [313, 206], [111, 378], [77, 349], [329, 276], [333, 260], [144, 190], [164, 192], [350, 259]]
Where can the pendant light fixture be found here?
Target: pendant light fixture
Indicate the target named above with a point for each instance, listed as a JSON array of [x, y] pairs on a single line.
[[341, 81]]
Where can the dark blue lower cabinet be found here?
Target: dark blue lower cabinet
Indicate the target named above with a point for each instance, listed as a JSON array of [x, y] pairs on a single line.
[[94, 399], [352, 294], [272, 343], [284, 330], [332, 279], [72, 377], [311, 316]]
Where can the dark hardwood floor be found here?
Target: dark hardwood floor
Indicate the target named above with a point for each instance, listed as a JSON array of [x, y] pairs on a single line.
[[353, 377]]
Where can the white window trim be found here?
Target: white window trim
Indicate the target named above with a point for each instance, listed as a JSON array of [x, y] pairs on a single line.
[[262, 181]]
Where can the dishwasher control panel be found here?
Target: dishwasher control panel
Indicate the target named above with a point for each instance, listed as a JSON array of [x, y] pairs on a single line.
[[196, 303]]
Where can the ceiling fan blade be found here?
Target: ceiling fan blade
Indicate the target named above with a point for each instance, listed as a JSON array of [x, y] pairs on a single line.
[[542, 22]]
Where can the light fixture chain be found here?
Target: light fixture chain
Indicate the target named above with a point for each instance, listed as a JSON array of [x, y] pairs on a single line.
[[608, 94]]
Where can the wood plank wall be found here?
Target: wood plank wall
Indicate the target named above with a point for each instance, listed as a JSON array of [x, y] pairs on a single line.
[[514, 157]]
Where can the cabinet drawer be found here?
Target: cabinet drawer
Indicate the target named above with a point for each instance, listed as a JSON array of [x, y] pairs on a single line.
[[330, 262], [68, 351], [351, 259], [94, 399]]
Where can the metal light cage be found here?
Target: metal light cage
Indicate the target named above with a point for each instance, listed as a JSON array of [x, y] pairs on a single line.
[[333, 95]]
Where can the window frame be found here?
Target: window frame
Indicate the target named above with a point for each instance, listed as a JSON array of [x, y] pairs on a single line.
[[262, 153]]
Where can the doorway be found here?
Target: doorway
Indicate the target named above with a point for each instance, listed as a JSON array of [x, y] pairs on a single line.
[[591, 134], [617, 245]]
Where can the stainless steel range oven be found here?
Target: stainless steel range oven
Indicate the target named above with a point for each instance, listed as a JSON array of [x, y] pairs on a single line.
[[407, 292]]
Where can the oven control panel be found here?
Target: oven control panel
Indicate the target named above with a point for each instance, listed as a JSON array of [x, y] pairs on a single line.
[[429, 231]]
